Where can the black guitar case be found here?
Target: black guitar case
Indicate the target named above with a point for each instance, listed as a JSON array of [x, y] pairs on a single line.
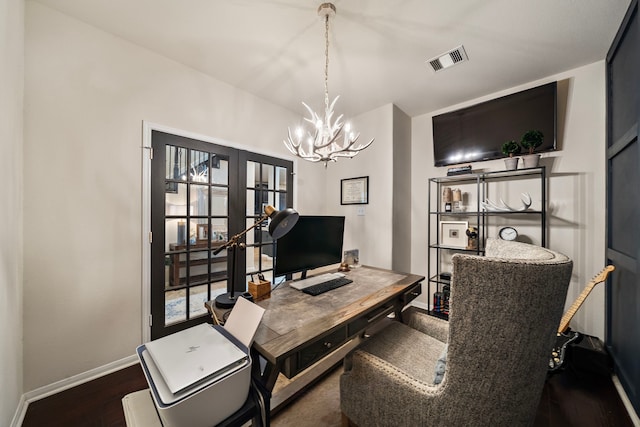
[[589, 356], [583, 354]]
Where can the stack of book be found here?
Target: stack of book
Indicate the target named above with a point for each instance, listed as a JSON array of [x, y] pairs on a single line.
[[460, 170]]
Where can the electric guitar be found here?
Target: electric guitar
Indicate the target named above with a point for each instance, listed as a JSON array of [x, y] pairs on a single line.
[[566, 336]]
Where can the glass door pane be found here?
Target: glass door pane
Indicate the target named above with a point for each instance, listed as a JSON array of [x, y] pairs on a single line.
[[193, 270], [191, 200], [267, 182]]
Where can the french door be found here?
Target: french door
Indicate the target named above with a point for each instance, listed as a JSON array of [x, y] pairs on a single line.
[[202, 194], [268, 182]]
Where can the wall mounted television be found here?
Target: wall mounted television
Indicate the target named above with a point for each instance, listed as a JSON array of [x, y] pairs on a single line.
[[476, 133], [315, 241]]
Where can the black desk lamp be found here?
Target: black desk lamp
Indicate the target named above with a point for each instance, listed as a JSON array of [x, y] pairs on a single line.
[[281, 223]]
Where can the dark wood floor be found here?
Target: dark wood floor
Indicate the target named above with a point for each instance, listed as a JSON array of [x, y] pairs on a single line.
[[574, 398], [568, 399]]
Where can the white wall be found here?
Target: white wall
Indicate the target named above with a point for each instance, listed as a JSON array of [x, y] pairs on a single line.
[[576, 185], [11, 140], [87, 94], [371, 233], [401, 197], [309, 187]]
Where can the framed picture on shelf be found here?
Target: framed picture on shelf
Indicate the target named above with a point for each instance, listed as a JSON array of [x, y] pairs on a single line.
[[203, 232], [352, 257], [453, 233]]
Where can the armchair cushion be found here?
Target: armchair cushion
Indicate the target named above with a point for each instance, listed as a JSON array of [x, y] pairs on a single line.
[[396, 345], [434, 326]]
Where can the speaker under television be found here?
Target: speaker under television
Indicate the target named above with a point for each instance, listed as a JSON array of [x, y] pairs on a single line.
[[476, 133]]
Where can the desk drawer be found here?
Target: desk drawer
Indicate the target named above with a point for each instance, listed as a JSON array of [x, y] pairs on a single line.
[[411, 294], [362, 323], [314, 352]]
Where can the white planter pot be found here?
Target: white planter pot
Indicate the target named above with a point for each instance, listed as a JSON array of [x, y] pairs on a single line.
[[531, 160], [511, 163]]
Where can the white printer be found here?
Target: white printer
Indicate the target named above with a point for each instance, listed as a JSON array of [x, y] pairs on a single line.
[[199, 376]]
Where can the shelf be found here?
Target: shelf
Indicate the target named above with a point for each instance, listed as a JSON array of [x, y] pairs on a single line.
[[445, 213], [527, 212], [477, 184], [514, 173], [439, 314], [486, 213], [434, 279], [203, 261], [198, 255], [196, 280], [456, 248], [490, 175]]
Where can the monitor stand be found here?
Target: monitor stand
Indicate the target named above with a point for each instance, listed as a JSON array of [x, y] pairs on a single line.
[[303, 275]]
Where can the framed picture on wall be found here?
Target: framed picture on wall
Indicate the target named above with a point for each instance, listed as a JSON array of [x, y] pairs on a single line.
[[354, 191], [453, 233]]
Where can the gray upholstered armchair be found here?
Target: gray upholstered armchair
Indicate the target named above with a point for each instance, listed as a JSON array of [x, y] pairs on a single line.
[[505, 310]]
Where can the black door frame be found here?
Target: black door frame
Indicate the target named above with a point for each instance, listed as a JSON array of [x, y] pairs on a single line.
[[237, 185], [158, 141]]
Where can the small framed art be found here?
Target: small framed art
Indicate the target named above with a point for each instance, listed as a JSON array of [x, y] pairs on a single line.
[[453, 233], [354, 191], [203, 232], [352, 257]]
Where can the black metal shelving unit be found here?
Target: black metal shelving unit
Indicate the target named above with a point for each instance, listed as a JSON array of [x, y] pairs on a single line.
[[438, 302]]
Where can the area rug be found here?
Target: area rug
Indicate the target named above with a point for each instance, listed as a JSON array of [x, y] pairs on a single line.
[[175, 308], [319, 406]]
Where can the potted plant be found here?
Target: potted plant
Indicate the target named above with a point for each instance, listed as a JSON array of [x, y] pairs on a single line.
[[510, 148], [530, 141]]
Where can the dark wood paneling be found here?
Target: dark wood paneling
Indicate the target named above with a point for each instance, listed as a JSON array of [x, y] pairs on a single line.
[[624, 85], [624, 193], [623, 204]]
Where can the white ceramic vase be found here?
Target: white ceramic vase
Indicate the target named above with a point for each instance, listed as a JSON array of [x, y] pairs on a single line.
[[530, 160], [511, 163]]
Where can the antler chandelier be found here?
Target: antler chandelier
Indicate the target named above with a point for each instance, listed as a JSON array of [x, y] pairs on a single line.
[[324, 140]]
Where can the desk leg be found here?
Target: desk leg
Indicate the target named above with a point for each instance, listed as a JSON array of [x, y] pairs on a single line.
[[263, 414], [270, 375], [262, 391], [398, 312], [267, 377]]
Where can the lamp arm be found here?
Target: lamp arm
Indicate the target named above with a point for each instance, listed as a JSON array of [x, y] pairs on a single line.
[[234, 239]]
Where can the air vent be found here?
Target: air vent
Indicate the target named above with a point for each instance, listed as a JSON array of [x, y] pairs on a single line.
[[448, 59]]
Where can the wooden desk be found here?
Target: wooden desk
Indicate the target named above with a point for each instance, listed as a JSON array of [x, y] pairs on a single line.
[[303, 336]]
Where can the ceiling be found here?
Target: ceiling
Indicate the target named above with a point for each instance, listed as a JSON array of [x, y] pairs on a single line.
[[378, 48]]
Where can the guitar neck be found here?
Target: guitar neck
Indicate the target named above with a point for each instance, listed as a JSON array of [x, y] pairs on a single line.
[[601, 277], [564, 322]]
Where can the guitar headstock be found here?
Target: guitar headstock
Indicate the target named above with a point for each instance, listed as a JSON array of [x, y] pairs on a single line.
[[602, 276]]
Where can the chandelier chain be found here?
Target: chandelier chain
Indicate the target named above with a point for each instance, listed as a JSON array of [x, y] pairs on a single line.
[[326, 63], [324, 139]]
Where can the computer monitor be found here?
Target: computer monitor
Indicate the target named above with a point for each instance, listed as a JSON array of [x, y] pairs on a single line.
[[315, 241]]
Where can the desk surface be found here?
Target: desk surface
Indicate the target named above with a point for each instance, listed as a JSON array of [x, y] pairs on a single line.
[[293, 318]]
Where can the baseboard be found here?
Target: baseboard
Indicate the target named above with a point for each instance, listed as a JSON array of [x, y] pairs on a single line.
[[420, 305], [67, 383], [627, 403], [18, 417]]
